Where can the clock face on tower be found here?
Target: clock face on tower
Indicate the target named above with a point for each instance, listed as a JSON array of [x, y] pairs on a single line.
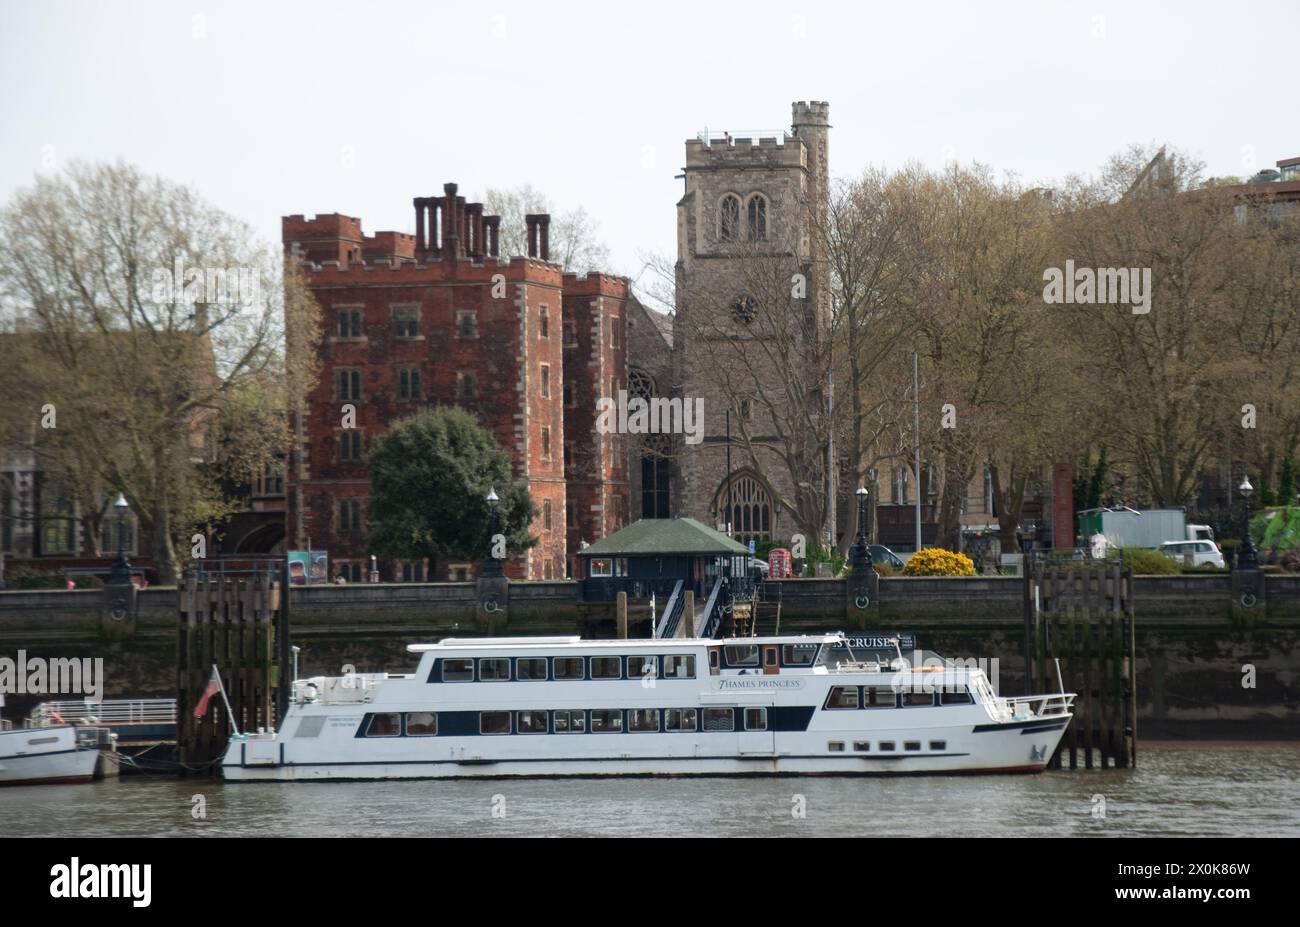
[[744, 309]]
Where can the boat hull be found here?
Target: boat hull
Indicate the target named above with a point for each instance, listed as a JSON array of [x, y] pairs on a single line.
[[1011, 750], [43, 756]]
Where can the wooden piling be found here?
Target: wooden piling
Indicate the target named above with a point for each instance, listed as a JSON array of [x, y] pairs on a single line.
[[232, 625], [1085, 618], [620, 615]]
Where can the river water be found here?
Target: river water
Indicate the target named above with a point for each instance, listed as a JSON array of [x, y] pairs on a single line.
[[1179, 789]]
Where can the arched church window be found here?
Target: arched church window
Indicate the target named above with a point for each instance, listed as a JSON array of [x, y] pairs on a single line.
[[729, 218], [750, 507], [757, 215]]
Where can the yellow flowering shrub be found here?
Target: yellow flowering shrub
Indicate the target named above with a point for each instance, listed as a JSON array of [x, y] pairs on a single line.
[[935, 561]]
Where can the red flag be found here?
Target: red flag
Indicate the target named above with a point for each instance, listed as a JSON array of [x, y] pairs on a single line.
[[214, 686]]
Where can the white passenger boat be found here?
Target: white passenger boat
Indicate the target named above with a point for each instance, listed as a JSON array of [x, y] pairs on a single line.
[[37, 755], [563, 706]]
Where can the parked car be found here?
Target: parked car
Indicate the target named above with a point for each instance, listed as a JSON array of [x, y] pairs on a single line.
[[882, 554], [1202, 552]]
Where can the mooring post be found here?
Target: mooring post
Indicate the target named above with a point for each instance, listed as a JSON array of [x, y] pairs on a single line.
[[620, 614], [688, 616], [284, 672]]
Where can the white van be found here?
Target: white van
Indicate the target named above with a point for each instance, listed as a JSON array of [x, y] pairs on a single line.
[[1202, 552]]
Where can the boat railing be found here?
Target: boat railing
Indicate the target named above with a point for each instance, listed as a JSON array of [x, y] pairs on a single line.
[[1028, 707], [354, 688], [111, 712]]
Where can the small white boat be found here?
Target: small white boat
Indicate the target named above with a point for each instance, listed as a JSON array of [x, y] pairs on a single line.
[[34, 755], [563, 706]]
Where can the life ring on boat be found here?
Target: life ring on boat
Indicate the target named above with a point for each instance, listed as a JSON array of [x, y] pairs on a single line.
[[862, 601]]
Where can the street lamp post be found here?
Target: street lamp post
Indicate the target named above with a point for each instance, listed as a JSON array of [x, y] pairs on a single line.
[[860, 553], [1246, 559], [492, 565], [120, 574]]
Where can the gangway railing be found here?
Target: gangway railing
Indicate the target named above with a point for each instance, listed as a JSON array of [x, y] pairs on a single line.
[[710, 621], [672, 613], [108, 713]]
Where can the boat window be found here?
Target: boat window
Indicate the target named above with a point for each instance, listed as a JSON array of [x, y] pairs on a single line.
[[642, 667], [756, 719], [384, 725], [917, 699], [570, 722], [458, 670], [938, 745], [911, 745], [494, 669], [643, 719], [680, 719], [530, 668], [880, 697], [494, 722], [713, 661], [530, 722], [842, 697], [955, 698], [602, 567], [862, 746], [606, 667], [718, 719], [606, 720], [421, 724], [798, 654], [744, 655], [886, 746], [679, 666], [567, 668], [835, 746]]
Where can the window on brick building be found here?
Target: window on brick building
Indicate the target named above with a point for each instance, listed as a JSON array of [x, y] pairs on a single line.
[[349, 323], [568, 455], [571, 516], [408, 383], [757, 216], [544, 323], [349, 514], [548, 571], [406, 321], [349, 445], [570, 335], [349, 384], [466, 388], [568, 396], [746, 409], [466, 324], [615, 324], [546, 515], [546, 442], [729, 218], [350, 570], [546, 381]]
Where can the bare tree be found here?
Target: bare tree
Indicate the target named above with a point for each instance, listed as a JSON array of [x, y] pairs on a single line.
[[156, 326], [574, 235]]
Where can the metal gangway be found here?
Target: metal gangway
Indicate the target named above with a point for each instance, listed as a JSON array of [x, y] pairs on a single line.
[[138, 720]]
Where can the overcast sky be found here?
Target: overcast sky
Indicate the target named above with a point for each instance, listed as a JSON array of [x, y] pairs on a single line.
[[272, 108]]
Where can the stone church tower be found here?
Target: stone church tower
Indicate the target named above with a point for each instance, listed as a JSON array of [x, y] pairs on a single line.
[[744, 327]]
